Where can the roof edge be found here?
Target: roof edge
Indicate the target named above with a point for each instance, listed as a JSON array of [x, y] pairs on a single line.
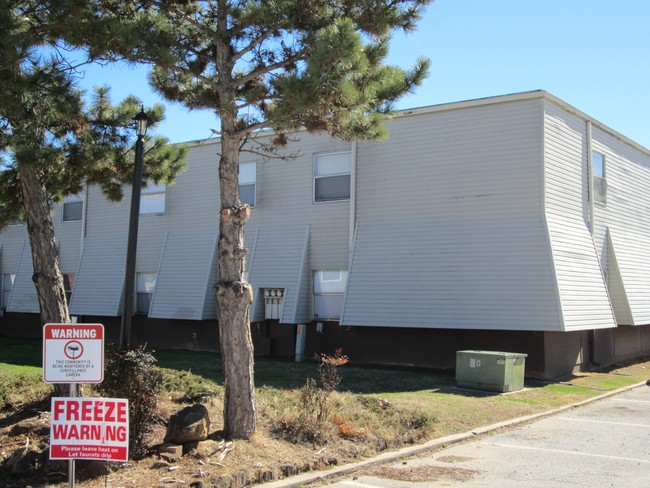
[[478, 102]]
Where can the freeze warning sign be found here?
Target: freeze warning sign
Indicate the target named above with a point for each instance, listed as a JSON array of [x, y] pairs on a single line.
[[73, 353], [90, 428]]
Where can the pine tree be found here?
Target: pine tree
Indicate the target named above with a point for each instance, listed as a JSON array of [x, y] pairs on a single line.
[[52, 144], [278, 65]]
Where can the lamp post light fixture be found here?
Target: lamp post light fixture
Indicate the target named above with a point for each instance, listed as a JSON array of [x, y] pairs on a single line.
[[141, 121]]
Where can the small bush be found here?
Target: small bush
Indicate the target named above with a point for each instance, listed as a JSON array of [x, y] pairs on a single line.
[[133, 375], [314, 401]]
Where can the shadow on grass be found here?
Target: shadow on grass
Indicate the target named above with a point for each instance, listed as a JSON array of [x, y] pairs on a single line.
[[21, 352], [275, 373], [284, 374]]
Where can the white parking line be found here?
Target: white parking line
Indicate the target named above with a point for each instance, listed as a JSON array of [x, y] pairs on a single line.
[[630, 400], [357, 484], [603, 422], [575, 453]]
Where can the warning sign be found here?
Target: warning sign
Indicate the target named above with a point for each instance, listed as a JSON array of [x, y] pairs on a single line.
[[90, 428], [73, 353]]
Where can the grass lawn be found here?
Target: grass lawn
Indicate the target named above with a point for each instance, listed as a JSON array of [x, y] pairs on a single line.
[[373, 408]]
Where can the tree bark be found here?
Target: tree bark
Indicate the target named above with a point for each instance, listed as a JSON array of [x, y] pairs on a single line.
[[47, 276], [234, 297]]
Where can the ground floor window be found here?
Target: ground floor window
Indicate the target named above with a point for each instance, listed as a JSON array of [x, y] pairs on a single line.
[[7, 285], [68, 284], [329, 287], [144, 288]]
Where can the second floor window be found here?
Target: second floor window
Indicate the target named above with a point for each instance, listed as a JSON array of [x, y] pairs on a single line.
[[152, 199], [247, 183], [73, 206], [599, 184], [332, 177]]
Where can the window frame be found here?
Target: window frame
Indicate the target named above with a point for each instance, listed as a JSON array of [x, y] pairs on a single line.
[[598, 180], [339, 293], [149, 293], [316, 176], [68, 284], [153, 192], [77, 198], [5, 299], [248, 182]]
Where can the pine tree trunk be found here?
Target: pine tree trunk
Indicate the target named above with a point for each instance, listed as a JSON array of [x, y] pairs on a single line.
[[234, 296], [47, 276]]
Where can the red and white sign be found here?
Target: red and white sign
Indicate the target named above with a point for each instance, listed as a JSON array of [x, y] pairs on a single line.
[[90, 428], [73, 353]]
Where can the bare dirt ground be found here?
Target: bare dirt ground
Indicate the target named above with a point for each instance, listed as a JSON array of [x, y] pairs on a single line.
[[214, 462]]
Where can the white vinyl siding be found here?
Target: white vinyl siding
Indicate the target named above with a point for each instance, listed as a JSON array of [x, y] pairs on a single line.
[[23, 295], [247, 183], [99, 283], [332, 177], [616, 288], [185, 276], [284, 198], [450, 228], [152, 199], [582, 290], [280, 261], [625, 221]]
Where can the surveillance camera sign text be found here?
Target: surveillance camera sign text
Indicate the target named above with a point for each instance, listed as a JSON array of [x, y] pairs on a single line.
[[73, 353]]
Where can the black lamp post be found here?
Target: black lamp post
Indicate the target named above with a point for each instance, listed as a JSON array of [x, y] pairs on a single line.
[[129, 277]]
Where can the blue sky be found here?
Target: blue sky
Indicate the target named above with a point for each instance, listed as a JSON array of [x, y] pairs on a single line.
[[591, 53]]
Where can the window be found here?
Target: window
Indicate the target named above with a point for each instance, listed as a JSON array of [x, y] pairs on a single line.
[[599, 184], [68, 284], [332, 177], [329, 287], [247, 179], [73, 206], [144, 287], [152, 200], [7, 285]]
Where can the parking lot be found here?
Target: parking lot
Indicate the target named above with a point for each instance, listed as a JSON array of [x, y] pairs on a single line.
[[602, 444]]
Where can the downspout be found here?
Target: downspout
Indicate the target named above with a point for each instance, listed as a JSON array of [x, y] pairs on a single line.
[[353, 194], [591, 336], [590, 177], [84, 220]]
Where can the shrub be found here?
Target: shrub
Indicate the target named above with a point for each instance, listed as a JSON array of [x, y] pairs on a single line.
[[314, 401], [133, 375]]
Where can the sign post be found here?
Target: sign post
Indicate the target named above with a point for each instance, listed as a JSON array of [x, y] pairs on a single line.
[[74, 353]]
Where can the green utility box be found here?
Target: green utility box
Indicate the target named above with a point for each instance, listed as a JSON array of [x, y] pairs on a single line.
[[490, 370]]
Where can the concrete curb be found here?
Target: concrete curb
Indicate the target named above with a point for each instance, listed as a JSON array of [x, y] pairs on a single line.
[[443, 442]]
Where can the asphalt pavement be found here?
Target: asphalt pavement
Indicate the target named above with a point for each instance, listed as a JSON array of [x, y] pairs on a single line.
[[602, 443]]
